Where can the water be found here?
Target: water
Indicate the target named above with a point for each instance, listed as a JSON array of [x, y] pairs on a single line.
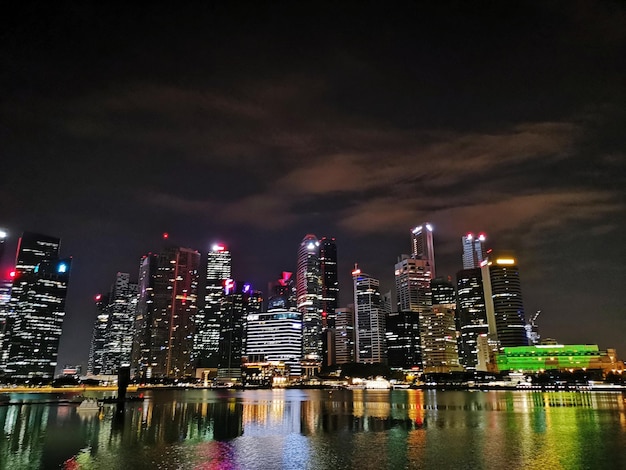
[[320, 429]]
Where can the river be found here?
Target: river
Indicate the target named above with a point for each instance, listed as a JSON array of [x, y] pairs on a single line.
[[322, 429]]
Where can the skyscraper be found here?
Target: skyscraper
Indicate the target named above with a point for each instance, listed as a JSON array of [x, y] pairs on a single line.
[[369, 319], [503, 297], [344, 335], [167, 307], [36, 309], [438, 329], [114, 327], [474, 251], [329, 300], [422, 245], [472, 315], [206, 342], [238, 302], [308, 291]]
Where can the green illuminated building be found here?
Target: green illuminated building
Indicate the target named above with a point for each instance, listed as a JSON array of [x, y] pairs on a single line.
[[554, 356]]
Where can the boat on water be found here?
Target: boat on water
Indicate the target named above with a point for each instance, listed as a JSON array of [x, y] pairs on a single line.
[[89, 404]]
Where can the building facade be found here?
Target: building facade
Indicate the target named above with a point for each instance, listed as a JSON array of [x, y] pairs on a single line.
[[167, 308], [36, 309], [206, 341], [308, 291], [369, 318], [275, 337], [472, 315], [474, 251]]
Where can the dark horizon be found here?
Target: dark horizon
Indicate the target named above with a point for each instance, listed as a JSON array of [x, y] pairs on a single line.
[[256, 124]]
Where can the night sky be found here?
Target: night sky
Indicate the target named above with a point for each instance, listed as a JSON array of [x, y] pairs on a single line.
[[254, 125]]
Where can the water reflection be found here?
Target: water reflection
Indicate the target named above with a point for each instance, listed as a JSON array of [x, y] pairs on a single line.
[[318, 429]]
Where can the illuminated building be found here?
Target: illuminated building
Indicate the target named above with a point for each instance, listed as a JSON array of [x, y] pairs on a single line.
[[36, 309], [474, 252], [438, 330], [344, 335], [238, 302], [412, 279], [282, 293], [369, 318], [422, 246], [167, 307], [503, 300], [112, 341], [275, 336], [206, 341], [403, 340], [558, 357], [472, 315], [308, 291], [329, 300]]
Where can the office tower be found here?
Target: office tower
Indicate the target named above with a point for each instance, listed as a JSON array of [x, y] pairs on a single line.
[[402, 335], [344, 335], [95, 362], [472, 315], [369, 319], [282, 293], [422, 245], [36, 309], [114, 327], [167, 307], [438, 330], [206, 341], [238, 302], [474, 252], [413, 278], [308, 291], [503, 297], [275, 336], [330, 282]]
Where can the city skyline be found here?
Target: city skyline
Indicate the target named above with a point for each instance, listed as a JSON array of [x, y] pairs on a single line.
[[255, 125]]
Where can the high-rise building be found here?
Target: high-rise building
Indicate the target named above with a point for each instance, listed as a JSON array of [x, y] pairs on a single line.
[[344, 335], [36, 309], [114, 327], [438, 329], [275, 336], [282, 293], [413, 278], [403, 340], [503, 296], [167, 307], [238, 302], [472, 315], [474, 252], [422, 245], [329, 300], [308, 291], [206, 341], [369, 319]]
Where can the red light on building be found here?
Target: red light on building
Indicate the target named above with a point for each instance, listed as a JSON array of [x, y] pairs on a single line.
[[98, 298], [12, 274], [166, 236]]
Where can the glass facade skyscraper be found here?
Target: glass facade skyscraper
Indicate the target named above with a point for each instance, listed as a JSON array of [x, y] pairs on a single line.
[[369, 318], [474, 252], [422, 246], [36, 308], [472, 315], [114, 327], [167, 307], [308, 292], [206, 343]]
